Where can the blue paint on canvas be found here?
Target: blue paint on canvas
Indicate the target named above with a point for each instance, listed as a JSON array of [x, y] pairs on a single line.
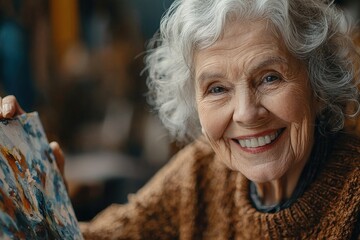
[[33, 199]]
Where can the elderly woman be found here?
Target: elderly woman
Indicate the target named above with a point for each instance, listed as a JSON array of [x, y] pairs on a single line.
[[264, 86]]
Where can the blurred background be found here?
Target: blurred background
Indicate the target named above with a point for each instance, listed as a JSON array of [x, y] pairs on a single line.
[[78, 63]]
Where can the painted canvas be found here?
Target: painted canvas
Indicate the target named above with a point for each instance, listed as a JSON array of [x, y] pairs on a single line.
[[34, 203]]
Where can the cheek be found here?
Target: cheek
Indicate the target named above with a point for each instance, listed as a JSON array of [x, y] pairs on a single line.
[[214, 119], [293, 105], [297, 109]]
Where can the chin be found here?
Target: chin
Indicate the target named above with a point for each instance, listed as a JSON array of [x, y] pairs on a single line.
[[262, 174]]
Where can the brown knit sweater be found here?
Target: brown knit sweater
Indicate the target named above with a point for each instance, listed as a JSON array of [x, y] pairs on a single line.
[[196, 197]]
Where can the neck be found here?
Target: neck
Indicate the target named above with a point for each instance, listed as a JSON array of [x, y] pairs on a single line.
[[278, 190]]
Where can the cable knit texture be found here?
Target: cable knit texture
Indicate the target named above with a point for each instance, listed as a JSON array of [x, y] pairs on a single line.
[[196, 197]]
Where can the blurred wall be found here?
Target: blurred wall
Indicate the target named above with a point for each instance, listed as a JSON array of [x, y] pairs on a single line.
[[78, 63]]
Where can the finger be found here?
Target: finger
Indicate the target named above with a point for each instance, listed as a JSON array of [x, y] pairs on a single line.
[[59, 156], [60, 161], [10, 107]]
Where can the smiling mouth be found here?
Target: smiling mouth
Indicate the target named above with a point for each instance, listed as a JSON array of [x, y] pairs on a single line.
[[255, 142]]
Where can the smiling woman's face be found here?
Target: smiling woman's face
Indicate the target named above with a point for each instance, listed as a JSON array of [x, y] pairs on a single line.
[[255, 102]]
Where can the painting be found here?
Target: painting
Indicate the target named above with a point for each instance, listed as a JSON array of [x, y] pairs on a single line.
[[34, 203]]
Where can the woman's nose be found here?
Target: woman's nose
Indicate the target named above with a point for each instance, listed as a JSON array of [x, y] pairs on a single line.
[[248, 110]]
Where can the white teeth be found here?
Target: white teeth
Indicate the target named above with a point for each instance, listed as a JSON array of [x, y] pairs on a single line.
[[272, 136], [254, 142], [259, 141]]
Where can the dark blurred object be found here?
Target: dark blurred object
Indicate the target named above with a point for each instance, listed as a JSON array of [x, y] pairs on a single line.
[[17, 26], [148, 13], [103, 117], [351, 6]]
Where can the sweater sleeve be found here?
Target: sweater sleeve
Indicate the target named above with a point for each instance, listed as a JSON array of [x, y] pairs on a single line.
[[152, 213]]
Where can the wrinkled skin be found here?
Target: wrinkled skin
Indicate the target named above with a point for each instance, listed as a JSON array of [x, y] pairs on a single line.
[[248, 85]]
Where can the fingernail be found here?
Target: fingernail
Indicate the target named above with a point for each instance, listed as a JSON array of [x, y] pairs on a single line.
[[6, 108]]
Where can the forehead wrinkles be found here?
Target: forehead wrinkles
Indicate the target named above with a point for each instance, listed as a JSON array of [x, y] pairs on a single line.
[[246, 62], [236, 61], [239, 46]]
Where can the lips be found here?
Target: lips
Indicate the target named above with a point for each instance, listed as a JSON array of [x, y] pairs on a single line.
[[259, 141]]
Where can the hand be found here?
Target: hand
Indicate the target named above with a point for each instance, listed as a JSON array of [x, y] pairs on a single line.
[[9, 107]]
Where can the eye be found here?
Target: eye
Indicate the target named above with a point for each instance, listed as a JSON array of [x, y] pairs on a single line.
[[217, 90], [270, 78]]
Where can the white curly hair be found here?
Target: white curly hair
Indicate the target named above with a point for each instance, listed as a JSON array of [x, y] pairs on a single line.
[[314, 31]]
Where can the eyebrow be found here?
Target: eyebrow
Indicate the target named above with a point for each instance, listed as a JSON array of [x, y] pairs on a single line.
[[210, 75], [262, 64]]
